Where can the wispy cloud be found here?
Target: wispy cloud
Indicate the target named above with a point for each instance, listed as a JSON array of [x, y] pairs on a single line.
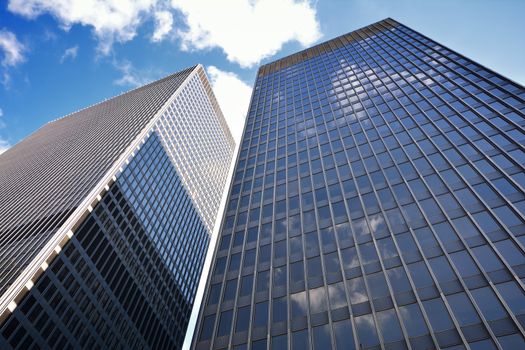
[[131, 77], [13, 53], [49, 35], [70, 53], [233, 96], [4, 144], [163, 24], [2, 124]]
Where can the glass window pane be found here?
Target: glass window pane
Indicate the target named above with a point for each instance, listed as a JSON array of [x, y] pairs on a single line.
[[243, 319], [413, 320], [300, 340], [366, 331], [225, 323], [322, 339], [438, 315], [463, 309], [261, 314], [389, 326]]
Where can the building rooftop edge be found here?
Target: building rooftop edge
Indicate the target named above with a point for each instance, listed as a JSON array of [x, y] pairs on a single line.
[[318, 49], [108, 99]]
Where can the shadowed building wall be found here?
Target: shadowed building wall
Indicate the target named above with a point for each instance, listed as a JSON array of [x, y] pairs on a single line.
[[106, 218]]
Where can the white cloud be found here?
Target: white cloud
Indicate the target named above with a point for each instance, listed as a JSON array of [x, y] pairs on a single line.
[[12, 52], [2, 124], [4, 145], [131, 77], [112, 21], [49, 35], [247, 30], [163, 24], [71, 52], [233, 96]]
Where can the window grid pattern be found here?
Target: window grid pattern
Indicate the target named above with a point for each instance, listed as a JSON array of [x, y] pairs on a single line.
[[46, 176], [128, 276], [116, 284], [378, 202], [198, 145]]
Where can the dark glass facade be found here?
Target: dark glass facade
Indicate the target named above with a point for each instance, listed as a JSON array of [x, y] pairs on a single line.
[[117, 283], [137, 181], [377, 203]]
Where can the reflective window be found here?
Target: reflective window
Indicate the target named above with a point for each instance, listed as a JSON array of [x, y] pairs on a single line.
[[385, 170]]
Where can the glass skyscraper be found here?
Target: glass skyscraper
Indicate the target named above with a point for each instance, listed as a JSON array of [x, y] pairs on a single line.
[[105, 219], [377, 203]]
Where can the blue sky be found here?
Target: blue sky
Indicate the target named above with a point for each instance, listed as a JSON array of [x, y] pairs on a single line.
[[56, 58]]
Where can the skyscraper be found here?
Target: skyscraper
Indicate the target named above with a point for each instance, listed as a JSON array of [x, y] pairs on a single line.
[[105, 219], [377, 203]]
